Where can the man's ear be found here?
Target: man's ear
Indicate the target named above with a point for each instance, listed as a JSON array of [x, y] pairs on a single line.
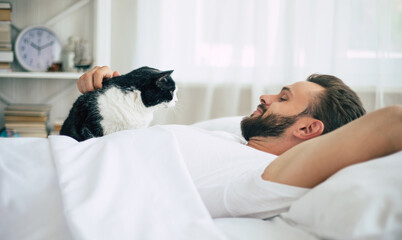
[[309, 129]]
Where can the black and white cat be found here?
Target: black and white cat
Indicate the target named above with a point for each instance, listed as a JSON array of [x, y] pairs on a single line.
[[124, 102]]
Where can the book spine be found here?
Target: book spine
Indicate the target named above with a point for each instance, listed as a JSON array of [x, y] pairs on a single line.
[[5, 14], [6, 53], [6, 56], [5, 5], [5, 32]]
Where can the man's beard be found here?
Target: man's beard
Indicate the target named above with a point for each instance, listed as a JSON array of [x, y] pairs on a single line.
[[273, 125]]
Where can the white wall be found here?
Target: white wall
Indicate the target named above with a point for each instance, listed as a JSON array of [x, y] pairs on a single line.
[[123, 44]]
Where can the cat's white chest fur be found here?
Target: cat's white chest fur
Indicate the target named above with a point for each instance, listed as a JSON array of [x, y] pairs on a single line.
[[121, 111]]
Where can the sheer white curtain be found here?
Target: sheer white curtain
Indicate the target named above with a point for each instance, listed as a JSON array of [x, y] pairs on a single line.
[[226, 53]]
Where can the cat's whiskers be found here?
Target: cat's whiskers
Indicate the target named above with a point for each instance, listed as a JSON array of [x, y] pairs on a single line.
[[178, 108]]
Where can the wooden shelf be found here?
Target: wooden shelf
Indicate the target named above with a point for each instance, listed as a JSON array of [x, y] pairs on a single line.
[[42, 75]]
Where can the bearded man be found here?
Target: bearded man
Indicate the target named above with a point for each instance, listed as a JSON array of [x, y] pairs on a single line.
[[293, 141]]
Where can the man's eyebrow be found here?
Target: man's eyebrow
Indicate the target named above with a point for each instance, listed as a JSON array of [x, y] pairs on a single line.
[[287, 89]]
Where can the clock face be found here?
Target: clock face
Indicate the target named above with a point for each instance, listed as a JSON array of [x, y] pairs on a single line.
[[37, 48]]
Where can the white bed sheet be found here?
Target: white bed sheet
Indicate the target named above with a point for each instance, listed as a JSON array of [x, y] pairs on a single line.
[[256, 229]]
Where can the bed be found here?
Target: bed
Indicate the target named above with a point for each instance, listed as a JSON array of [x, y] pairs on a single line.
[[57, 188]]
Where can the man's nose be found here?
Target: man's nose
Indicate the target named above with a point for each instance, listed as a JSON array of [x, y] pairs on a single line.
[[266, 99]]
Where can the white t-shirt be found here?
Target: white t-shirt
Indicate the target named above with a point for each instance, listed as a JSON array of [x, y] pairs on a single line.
[[227, 174]]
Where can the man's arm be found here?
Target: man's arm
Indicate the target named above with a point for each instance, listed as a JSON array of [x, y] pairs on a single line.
[[308, 164]]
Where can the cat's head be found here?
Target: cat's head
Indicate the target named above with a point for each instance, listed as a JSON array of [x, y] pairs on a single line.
[[156, 86]]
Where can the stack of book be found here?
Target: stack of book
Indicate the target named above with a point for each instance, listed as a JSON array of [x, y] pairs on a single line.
[[27, 120], [6, 53]]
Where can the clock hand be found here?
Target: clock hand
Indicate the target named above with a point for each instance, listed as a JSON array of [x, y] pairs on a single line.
[[35, 46], [47, 45]]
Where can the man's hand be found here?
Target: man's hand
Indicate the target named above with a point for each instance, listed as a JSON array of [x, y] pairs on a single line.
[[92, 79]]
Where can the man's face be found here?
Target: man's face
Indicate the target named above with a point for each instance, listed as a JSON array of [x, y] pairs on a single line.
[[276, 113]]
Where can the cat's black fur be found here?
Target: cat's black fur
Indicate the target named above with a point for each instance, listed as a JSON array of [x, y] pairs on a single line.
[[84, 119]]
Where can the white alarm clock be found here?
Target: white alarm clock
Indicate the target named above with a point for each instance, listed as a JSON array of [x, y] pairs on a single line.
[[36, 48]]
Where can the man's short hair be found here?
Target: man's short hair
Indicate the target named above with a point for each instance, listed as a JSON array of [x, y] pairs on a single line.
[[337, 105]]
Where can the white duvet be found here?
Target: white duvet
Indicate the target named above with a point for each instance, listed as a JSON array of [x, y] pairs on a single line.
[[115, 187]]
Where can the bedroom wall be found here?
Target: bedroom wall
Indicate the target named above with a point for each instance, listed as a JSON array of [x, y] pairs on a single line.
[[198, 100]]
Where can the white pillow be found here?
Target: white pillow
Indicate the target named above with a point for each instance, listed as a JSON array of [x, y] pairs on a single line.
[[363, 201], [227, 124]]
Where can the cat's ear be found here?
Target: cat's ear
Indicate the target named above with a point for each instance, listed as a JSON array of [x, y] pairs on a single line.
[[166, 73], [162, 80]]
